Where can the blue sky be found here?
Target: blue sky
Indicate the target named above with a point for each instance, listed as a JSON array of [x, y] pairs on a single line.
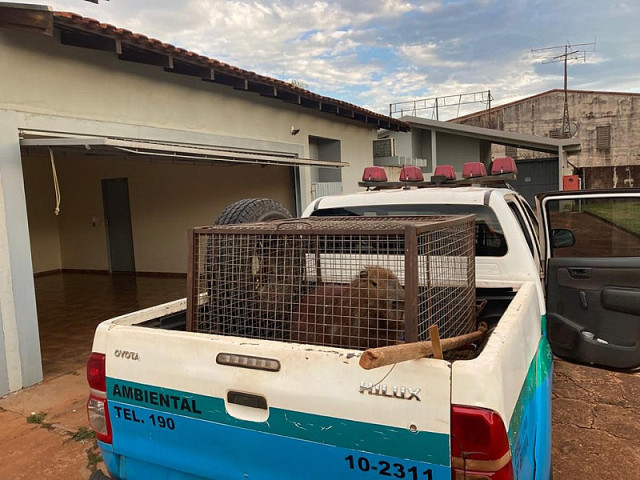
[[373, 53]]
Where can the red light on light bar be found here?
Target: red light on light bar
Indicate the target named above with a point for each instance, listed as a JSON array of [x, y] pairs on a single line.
[[374, 174], [503, 165], [474, 169], [445, 171], [410, 173]]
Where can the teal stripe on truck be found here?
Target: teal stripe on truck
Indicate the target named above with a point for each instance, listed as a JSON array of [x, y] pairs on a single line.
[[420, 446]]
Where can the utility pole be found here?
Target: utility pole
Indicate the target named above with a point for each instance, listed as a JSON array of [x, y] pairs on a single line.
[[570, 53]]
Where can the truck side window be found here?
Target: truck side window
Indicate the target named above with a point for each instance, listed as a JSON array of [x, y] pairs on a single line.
[[523, 225]]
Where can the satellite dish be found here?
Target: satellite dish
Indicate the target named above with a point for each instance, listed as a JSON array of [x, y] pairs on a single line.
[[573, 129]]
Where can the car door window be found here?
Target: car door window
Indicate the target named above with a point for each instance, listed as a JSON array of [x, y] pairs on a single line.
[[601, 227]]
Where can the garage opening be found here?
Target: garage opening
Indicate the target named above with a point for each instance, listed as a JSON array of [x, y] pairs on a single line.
[[119, 240]]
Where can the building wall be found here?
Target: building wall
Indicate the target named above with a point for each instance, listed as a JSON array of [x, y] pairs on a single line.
[[450, 149], [540, 115], [166, 199], [456, 150], [44, 230], [54, 88], [50, 78]]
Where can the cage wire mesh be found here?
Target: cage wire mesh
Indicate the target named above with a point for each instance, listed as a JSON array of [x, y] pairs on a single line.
[[342, 282]]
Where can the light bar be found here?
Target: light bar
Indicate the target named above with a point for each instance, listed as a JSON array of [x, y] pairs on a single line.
[[374, 174], [503, 165], [445, 171], [247, 361], [474, 169], [411, 173]]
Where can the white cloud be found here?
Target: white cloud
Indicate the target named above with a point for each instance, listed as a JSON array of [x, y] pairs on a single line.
[[426, 55]]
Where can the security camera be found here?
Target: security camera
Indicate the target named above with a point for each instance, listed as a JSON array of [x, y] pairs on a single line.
[[294, 130]]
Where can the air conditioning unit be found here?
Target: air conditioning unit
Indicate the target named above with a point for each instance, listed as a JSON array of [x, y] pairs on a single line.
[[384, 147]]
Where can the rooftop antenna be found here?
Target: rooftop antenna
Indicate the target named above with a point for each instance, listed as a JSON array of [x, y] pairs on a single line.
[[571, 53]]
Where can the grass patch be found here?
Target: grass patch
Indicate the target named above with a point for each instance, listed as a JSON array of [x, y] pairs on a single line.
[[37, 418], [83, 433], [93, 458]]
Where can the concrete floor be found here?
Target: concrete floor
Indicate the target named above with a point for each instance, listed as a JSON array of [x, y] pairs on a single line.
[[71, 305]]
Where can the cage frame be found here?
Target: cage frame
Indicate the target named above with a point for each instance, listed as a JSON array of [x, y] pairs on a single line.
[[410, 227]]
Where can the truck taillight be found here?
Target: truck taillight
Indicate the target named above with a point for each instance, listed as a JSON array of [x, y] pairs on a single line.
[[97, 408], [479, 445], [96, 373]]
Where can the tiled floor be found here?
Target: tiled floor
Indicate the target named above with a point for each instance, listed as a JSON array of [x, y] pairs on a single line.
[[71, 305]]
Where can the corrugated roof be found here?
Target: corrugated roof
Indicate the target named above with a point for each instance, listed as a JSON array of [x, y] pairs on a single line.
[[90, 33], [537, 95]]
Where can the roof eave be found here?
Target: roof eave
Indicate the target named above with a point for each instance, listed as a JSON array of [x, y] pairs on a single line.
[[79, 31]]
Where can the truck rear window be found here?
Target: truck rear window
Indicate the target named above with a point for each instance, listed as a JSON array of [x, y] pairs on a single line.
[[490, 240]]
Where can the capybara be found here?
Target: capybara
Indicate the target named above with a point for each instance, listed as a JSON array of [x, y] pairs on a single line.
[[366, 313]]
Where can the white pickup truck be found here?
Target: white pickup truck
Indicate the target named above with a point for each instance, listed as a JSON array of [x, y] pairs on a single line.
[[170, 403]]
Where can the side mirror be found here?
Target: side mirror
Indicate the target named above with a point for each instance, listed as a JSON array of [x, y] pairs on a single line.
[[562, 238]]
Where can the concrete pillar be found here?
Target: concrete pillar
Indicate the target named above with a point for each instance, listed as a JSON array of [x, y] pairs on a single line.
[[434, 150], [20, 341], [563, 166]]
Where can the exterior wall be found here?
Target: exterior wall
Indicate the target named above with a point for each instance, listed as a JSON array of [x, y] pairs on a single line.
[[55, 88], [456, 150], [50, 78], [449, 149], [421, 146], [612, 177], [538, 115]]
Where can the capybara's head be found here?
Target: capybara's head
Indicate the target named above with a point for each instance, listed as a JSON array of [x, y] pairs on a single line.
[[381, 287]]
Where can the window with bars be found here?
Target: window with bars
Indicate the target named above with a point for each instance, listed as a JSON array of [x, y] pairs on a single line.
[[603, 137], [511, 151]]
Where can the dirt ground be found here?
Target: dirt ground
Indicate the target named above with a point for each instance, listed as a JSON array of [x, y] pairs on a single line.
[[596, 423], [596, 427]]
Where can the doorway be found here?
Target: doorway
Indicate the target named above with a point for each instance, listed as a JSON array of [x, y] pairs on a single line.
[[117, 219]]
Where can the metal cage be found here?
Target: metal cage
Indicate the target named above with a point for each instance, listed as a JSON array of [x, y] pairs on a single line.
[[343, 282]]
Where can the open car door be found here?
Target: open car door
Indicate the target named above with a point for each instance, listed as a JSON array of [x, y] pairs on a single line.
[[592, 248]]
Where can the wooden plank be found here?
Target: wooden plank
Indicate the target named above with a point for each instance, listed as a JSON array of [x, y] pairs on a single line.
[[434, 336], [17, 18]]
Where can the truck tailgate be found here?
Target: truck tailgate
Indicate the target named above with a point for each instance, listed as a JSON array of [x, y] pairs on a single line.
[[319, 415]]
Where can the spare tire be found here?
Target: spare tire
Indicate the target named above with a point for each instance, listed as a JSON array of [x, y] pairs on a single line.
[[253, 210], [240, 284]]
